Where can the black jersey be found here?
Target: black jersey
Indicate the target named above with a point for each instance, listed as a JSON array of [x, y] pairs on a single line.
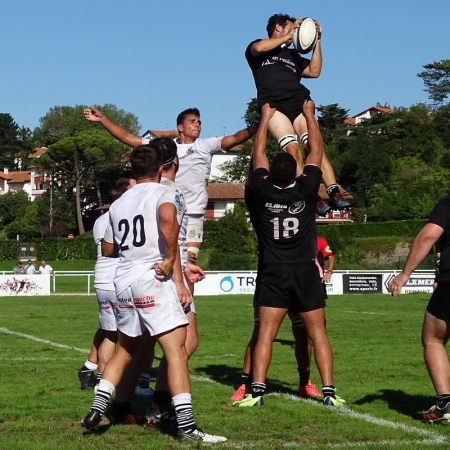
[[250, 203], [287, 217], [441, 216], [277, 73]]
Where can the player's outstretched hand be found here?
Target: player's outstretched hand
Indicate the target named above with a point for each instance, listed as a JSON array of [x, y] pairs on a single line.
[[194, 273], [309, 107], [395, 286], [92, 114], [163, 269], [267, 112], [184, 295]]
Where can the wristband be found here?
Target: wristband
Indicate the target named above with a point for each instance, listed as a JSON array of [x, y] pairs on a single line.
[[328, 271]]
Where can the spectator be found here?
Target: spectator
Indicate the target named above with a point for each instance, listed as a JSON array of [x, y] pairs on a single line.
[[17, 268], [29, 269], [46, 268]]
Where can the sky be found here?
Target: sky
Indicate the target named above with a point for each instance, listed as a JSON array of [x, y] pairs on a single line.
[[155, 59]]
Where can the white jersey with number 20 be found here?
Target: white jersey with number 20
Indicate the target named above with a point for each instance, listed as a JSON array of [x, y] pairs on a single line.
[[134, 220]]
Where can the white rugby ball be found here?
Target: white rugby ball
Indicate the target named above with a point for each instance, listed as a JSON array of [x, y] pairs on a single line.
[[305, 36]]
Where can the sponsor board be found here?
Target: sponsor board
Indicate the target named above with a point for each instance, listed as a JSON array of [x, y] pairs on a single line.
[[362, 283], [24, 285]]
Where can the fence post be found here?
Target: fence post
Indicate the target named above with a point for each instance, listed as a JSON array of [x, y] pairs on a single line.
[[89, 283], [54, 282]]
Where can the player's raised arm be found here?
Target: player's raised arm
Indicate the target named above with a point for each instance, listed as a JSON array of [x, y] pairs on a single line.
[[312, 68], [259, 157], [315, 137], [94, 115]]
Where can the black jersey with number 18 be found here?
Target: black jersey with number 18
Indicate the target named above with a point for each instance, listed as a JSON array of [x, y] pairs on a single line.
[[287, 217]]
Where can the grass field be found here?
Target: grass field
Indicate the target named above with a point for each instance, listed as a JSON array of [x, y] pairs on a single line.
[[379, 370]]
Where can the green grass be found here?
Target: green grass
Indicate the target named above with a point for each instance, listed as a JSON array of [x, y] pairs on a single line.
[[379, 370]]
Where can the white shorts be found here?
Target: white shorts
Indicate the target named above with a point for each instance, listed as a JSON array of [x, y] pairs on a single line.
[[195, 228], [149, 302], [106, 309]]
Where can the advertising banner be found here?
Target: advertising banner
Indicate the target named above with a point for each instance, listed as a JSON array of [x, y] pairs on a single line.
[[24, 285]]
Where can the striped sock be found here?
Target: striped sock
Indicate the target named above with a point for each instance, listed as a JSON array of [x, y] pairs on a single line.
[[98, 377], [184, 412], [104, 392], [329, 391]]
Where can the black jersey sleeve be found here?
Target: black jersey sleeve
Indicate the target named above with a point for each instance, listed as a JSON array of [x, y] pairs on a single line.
[[260, 179], [441, 213], [252, 60], [309, 181]]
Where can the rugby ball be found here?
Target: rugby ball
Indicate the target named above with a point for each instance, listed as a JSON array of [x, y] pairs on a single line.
[[305, 36]]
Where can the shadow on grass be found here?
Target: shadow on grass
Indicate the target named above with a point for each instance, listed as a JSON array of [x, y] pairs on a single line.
[[230, 376], [403, 403]]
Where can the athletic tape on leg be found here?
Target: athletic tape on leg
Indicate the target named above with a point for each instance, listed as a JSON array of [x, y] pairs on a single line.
[[286, 140]]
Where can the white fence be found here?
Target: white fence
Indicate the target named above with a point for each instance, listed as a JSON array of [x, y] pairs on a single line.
[[218, 283]]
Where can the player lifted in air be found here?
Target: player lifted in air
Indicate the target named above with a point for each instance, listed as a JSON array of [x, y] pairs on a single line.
[[277, 71]]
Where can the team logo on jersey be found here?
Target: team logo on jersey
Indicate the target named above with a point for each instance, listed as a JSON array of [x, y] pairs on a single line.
[[179, 200], [297, 207], [189, 151]]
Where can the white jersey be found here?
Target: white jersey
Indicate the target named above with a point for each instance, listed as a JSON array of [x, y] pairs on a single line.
[[134, 221], [195, 167], [105, 268], [182, 221]]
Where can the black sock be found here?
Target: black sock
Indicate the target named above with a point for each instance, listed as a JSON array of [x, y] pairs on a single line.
[[258, 389], [442, 400], [329, 391], [163, 399], [245, 379], [333, 190], [122, 408], [304, 377]]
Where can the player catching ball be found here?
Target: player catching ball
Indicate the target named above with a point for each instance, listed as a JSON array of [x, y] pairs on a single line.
[[277, 71]]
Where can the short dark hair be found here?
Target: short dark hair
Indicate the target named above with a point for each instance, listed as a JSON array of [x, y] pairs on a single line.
[[118, 188], [168, 149], [283, 168], [277, 19], [187, 112], [145, 160]]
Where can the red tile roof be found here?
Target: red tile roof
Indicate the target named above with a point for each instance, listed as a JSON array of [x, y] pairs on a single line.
[[235, 191], [37, 152], [160, 133], [5, 176], [19, 177]]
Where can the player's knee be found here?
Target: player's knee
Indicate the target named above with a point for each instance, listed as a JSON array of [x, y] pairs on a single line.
[[304, 139], [287, 140]]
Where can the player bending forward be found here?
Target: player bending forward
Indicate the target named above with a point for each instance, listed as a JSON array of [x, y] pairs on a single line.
[[144, 230]]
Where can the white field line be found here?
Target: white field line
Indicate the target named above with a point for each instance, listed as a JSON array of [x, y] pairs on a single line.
[[432, 438], [366, 312], [20, 358], [43, 341]]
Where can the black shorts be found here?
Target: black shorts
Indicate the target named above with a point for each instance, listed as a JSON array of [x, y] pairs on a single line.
[[292, 286], [439, 304], [291, 107]]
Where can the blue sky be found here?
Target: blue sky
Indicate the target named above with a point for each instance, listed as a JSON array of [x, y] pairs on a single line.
[[155, 59]]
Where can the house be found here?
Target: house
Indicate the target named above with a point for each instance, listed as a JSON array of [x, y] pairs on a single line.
[[366, 114], [223, 196], [34, 182]]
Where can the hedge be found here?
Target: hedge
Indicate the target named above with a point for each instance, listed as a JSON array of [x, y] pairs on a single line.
[[53, 249]]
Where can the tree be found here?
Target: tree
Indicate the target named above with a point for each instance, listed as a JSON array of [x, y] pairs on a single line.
[[436, 78], [10, 205], [65, 121], [331, 122], [79, 158], [9, 141]]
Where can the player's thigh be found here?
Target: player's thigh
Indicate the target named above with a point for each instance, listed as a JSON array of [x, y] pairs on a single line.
[[300, 126], [280, 126], [106, 305]]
